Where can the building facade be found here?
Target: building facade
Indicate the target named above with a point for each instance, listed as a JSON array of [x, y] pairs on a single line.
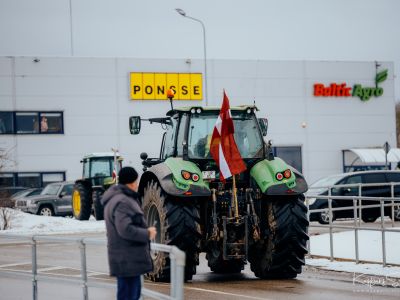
[[54, 110]]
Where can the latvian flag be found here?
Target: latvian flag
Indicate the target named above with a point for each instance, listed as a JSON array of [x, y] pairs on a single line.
[[223, 147]]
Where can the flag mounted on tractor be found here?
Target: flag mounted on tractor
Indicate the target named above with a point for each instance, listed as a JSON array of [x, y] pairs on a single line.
[[223, 147]]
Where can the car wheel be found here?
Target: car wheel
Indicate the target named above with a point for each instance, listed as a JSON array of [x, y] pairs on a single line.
[[369, 219], [323, 216], [46, 211]]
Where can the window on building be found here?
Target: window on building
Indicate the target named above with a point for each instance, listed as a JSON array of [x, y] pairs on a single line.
[[291, 155], [52, 177], [30, 179], [6, 122], [7, 179], [51, 123], [31, 122], [27, 122]]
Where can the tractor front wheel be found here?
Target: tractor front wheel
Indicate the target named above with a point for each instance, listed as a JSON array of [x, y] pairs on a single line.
[[81, 202], [280, 252], [177, 223]]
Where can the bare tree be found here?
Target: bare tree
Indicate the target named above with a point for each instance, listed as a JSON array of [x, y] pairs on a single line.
[[6, 202]]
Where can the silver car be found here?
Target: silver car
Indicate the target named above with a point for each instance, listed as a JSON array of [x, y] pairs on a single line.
[[54, 200]]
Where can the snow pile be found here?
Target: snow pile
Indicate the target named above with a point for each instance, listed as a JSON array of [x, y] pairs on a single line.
[[27, 224], [369, 245]]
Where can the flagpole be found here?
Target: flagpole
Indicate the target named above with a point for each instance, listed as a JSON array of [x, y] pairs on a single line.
[[235, 202]]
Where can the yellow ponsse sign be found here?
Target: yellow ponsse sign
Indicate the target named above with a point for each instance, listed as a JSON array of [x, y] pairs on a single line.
[[154, 86]]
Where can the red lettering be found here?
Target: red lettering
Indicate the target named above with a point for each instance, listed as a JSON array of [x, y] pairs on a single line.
[[347, 92], [318, 89]]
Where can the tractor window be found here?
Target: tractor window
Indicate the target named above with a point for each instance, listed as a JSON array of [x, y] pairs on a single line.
[[247, 135], [181, 135], [169, 144], [101, 167]]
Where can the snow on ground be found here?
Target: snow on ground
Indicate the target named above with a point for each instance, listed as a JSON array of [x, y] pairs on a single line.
[[370, 249], [370, 245], [352, 267], [27, 224]]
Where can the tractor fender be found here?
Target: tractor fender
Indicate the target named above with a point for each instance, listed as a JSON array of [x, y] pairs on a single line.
[[265, 174], [168, 174]]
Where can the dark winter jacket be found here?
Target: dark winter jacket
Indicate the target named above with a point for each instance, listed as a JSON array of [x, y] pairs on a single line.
[[128, 241]]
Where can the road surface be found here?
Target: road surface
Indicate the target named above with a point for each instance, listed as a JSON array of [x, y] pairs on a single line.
[[64, 261]]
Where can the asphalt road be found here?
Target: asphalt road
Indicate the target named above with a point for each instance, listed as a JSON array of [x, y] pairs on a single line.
[[64, 261]]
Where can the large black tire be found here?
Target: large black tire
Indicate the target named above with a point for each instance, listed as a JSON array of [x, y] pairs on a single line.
[[280, 253], [81, 201], [218, 265], [178, 223], [98, 209]]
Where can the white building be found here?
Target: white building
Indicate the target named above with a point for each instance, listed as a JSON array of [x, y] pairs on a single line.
[[70, 62], [87, 102]]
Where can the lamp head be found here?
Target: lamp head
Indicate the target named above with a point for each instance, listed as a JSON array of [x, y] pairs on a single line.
[[181, 12]]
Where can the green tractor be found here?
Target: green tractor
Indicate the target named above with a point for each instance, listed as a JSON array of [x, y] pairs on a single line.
[[194, 210], [99, 173]]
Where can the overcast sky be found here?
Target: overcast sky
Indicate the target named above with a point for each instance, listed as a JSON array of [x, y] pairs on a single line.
[[360, 30]]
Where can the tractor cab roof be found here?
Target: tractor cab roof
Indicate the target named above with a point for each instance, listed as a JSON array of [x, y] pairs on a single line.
[[100, 154], [210, 109]]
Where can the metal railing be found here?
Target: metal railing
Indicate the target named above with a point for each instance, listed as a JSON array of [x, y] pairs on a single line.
[[357, 208], [177, 260]]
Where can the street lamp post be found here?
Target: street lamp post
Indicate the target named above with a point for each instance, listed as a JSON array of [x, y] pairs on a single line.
[[183, 14]]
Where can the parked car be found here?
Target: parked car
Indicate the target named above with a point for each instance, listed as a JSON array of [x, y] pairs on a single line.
[[363, 177], [54, 200], [26, 193], [7, 192]]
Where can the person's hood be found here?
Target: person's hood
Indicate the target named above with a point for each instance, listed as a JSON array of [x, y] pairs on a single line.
[[118, 189]]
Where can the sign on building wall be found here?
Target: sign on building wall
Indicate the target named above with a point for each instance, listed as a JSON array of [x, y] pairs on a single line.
[[154, 86], [343, 90]]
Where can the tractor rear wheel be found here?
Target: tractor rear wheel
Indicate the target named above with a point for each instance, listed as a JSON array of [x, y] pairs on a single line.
[[280, 253], [177, 223], [81, 201]]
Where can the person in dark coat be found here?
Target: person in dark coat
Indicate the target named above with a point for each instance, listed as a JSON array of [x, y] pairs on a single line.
[[127, 234]]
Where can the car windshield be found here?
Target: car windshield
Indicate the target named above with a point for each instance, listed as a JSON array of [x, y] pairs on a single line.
[[21, 193], [327, 181], [51, 189], [247, 135]]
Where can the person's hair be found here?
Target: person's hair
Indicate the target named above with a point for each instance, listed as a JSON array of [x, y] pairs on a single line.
[[127, 175]]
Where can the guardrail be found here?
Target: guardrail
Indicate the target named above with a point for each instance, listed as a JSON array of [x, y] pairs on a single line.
[[177, 259], [357, 208]]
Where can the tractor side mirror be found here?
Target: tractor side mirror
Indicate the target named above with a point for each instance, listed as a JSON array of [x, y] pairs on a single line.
[[263, 122], [134, 124], [143, 155]]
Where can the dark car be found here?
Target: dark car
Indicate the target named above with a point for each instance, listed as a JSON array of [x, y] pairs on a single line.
[[54, 200], [6, 193], [355, 178]]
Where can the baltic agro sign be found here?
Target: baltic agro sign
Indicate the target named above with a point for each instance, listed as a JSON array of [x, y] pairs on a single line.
[[342, 90], [154, 86]]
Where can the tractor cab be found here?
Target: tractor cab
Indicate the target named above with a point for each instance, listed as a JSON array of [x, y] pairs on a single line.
[[188, 133], [99, 167]]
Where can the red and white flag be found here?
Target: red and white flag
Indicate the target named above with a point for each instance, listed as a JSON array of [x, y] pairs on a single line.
[[223, 147]]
